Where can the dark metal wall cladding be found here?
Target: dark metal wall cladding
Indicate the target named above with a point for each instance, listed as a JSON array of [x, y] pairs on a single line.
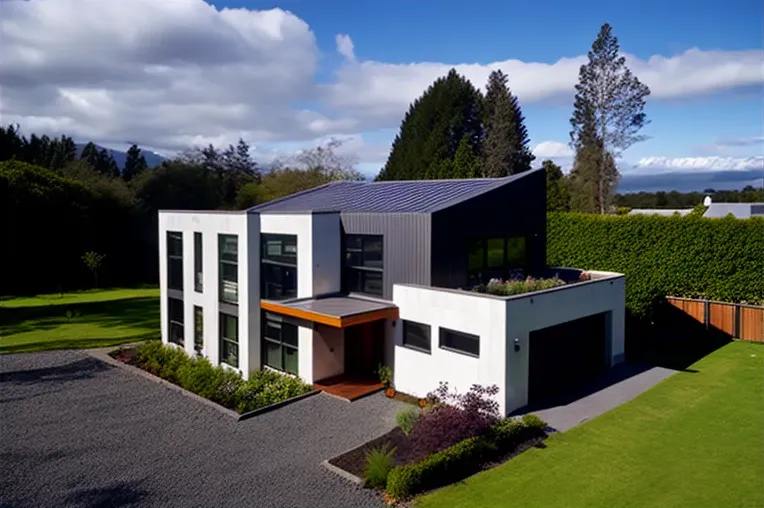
[[515, 209], [407, 244]]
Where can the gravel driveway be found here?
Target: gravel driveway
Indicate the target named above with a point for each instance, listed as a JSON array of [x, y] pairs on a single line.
[[75, 431]]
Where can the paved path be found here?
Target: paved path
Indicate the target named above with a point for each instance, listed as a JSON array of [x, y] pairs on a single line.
[[619, 385], [76, 432]]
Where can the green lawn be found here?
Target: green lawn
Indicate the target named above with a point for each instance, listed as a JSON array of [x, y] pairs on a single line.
[[78, 320], [695, 440]]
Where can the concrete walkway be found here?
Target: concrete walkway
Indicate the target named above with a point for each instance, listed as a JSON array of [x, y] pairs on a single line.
[[619, 385]]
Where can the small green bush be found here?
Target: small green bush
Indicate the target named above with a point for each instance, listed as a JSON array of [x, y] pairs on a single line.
[[462, 459], [407, 418], [385, 374], [517, 287], [379, 463], [266, 387]]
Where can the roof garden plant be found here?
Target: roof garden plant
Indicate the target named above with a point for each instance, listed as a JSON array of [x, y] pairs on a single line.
[[511, 287]]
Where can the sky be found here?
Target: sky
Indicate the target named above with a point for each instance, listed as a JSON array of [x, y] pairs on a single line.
[[292, 74]]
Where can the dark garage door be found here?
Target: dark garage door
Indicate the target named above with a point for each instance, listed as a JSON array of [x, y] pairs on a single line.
[[565, 355]]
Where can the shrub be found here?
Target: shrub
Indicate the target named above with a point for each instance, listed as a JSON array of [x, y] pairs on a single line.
[[379, 463], [407, 418], [385, 374], [533, 422], [266, 387], [517, 287], [454, 417], [446, 466], [718, 259]]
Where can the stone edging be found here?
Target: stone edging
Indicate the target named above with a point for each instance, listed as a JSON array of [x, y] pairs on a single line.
[[341, 472], [103, 355]]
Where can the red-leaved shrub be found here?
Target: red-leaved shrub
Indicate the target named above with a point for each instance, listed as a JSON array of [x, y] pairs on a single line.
[[454, 417]]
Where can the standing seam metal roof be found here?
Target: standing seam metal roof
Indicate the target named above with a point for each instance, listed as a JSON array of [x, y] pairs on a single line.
[[417, 196]]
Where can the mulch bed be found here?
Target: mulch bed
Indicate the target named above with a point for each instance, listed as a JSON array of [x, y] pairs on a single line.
[[125, 355], [354, 461]]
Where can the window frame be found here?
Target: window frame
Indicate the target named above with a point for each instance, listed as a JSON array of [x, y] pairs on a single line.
[[269, 319], [223, 339], [198, 329], [357, 273], [173, 258], [443, 331], [174, 324], [278, 264], [428, 328], [198, 262], [227, 262]]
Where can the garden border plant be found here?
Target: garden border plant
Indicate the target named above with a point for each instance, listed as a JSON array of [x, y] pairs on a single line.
[[263, 391]]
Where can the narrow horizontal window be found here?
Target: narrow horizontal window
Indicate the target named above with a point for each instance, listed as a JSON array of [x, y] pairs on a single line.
[[416, 335], [460, 342]]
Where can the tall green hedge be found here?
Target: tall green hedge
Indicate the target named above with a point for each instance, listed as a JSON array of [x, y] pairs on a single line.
[[721, 259]]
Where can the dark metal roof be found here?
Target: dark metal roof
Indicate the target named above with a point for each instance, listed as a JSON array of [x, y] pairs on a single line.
[[338, 306], [413, 196]]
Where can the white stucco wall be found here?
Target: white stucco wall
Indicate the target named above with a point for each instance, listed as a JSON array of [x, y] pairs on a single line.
[[533, 311], [328, 352], [418, 373], [211, 224]]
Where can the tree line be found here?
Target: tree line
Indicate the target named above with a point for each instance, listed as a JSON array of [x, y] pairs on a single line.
[[62, 210], [455, 131], [679, 200]]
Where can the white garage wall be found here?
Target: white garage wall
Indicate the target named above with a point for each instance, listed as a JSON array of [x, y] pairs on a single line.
[[533, 311], [418, 373], [211, 224]]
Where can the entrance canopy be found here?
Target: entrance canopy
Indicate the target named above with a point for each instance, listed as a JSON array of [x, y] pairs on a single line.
[[337, 311]]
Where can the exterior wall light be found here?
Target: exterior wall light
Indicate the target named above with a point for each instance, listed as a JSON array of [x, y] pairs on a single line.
[[517, 344]]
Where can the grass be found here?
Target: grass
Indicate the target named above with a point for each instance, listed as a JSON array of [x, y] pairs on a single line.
[[98, 318], [695, 440]]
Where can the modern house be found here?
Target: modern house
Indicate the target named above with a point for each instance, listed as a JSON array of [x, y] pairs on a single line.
[[333, 281]]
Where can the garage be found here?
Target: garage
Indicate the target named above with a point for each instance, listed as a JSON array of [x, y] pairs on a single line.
[[565, 355]]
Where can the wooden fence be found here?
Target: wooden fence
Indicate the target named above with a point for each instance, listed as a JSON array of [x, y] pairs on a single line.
[[745, 322]]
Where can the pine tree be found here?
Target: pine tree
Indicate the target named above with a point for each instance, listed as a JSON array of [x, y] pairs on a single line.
[[135, 163], [557, 194], [90, 154], [505, 148], [466, 161], [433, 127], [608, 114], [105, 164]]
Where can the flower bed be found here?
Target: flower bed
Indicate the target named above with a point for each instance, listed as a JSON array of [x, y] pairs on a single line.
[[453, 437], [218, 384]]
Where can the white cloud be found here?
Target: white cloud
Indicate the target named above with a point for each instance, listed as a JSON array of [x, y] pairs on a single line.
[[552, 149], [169, 74], [345, 46], [690, 164]]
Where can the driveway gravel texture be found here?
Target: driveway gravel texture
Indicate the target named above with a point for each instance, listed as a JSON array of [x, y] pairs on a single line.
[[77, 432]]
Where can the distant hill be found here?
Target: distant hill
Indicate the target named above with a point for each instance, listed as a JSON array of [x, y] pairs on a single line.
[[153, 159]]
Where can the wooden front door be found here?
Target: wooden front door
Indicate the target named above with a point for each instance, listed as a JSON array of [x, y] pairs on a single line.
[[364, 348]]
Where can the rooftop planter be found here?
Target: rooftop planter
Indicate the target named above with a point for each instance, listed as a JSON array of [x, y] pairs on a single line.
[[511, 287]]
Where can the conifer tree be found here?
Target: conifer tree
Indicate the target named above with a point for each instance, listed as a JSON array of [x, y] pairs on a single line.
[[505, 148], [435, 124], [135, 163]]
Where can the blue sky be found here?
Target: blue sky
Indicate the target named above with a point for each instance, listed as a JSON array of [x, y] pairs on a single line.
[[292, 73]]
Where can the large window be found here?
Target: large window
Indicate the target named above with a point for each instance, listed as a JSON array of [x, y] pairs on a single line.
[[416, 336], [198, 271], [460, 342], [363, 264], [229, 339], [495, 258], [279, 344], [198, 329], [175, 318], [278, 267], [228, 254], [175, 260]]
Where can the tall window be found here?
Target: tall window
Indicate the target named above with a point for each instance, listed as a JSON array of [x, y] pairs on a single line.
[[460, 342], [175, 318], [495, 258], [363, 265], [279, 344], [198, 273], [228, 254], [229, 339], [198, 329], [278, 266], [175, 260]]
